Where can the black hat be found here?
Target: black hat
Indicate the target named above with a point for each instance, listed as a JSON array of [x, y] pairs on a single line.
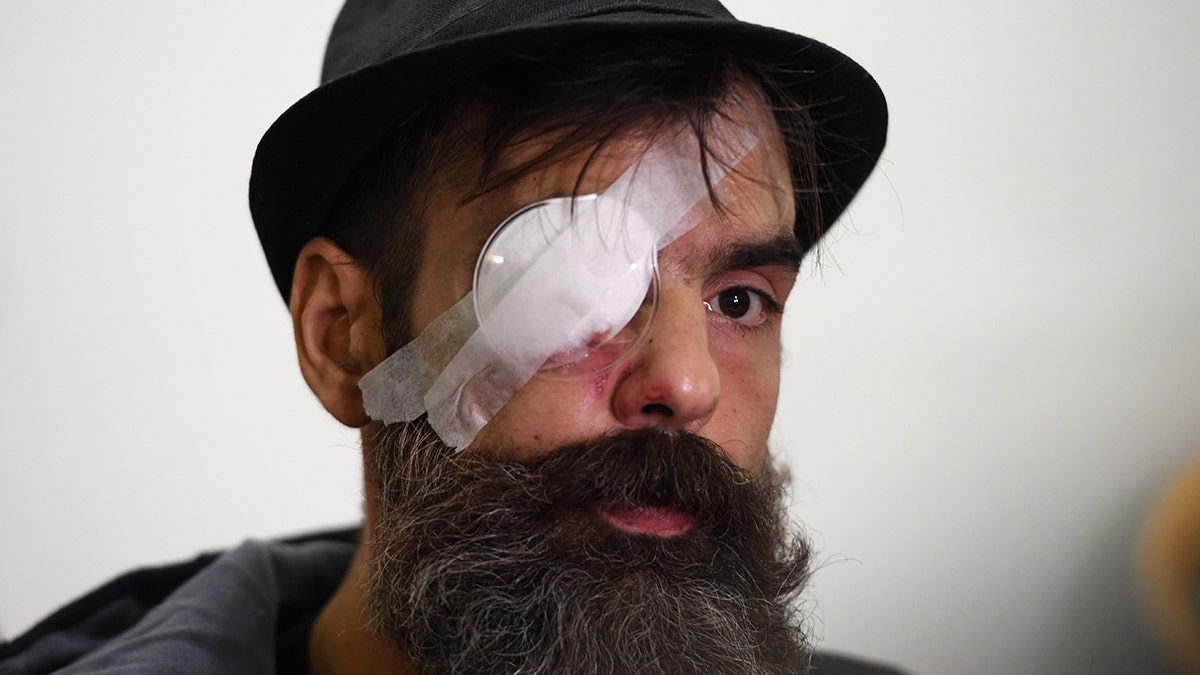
[[386, 57]]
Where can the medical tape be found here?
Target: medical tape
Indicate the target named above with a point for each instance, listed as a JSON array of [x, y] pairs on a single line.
[[582, 267]]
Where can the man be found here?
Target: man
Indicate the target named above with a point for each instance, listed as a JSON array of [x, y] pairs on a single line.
[[539, 254]]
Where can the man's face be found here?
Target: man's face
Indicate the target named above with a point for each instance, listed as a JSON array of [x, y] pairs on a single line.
[[627, 521], [710, 364]]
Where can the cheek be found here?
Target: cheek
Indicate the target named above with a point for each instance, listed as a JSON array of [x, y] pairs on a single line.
[[546, 414], [749, 396], [446, 273], [439, 285]]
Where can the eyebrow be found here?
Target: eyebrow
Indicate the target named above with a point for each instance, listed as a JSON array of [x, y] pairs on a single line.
[[782, 250]]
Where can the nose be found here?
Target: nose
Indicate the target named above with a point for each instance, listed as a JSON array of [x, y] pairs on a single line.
[[673, 382]]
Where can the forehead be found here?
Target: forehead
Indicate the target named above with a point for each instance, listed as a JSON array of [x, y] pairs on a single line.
[[532, 168]]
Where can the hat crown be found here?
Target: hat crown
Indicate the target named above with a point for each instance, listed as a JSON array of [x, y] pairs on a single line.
[[369, 31]]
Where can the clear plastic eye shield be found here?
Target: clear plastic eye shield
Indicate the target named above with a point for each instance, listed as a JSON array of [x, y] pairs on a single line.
[[564, 287]]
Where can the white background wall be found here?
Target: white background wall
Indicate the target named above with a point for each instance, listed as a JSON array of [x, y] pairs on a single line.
[[986, 381]]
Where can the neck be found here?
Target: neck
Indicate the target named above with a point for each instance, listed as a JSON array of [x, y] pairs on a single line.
[[341, 642]]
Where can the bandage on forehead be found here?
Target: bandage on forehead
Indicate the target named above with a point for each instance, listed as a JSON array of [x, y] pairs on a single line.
[[566, 286]]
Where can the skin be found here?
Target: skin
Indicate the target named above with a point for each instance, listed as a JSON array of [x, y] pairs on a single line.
[[707, 371]]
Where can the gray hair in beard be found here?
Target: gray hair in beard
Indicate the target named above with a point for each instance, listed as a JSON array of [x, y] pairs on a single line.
[[481, 565]]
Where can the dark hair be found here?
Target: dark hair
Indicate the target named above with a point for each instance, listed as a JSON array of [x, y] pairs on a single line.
[[582, 96]]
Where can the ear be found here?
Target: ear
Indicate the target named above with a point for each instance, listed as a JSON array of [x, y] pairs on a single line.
[[337, 321]]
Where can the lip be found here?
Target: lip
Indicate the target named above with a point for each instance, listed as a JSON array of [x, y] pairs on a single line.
[[657, 521]]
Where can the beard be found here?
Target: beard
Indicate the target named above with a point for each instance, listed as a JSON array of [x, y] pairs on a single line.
[[482, 565]]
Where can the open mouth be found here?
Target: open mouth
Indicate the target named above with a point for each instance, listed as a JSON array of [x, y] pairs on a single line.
[[657, 521]]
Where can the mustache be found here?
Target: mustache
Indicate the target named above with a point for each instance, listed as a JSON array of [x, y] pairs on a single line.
[[652, 467], [552, 498], [635, 467]]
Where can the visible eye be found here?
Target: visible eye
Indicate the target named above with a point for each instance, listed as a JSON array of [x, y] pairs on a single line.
[[743, 305]]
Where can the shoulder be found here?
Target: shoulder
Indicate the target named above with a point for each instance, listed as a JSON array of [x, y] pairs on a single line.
[[824, 663], [229, 606]]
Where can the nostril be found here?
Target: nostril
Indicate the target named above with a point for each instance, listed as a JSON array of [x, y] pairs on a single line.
[[657, 410]]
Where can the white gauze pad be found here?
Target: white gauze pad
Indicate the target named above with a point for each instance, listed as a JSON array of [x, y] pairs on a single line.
[[560, 272]]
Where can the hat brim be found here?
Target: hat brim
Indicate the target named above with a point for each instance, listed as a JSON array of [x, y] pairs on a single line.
[[310, 152]]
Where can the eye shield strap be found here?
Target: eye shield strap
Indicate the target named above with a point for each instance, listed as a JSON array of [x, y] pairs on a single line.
[[560, 277]]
